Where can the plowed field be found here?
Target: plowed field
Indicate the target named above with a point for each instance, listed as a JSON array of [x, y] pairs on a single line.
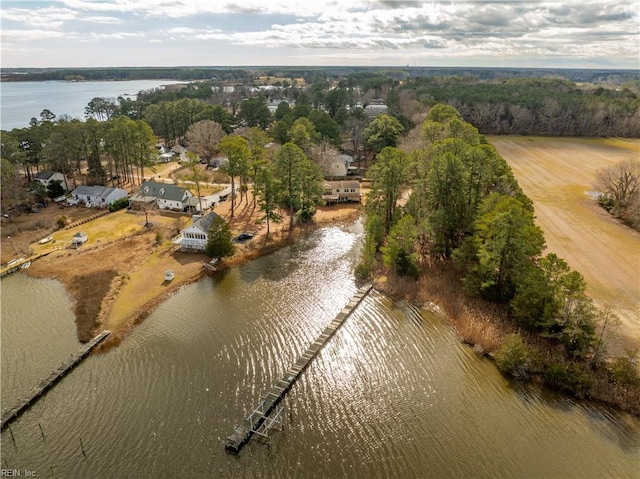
[[558, 174]]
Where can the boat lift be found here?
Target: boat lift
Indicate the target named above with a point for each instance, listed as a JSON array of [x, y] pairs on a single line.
[[262, 424]]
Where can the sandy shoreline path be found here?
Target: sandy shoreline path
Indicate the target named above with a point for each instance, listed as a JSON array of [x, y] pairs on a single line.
[[558, 174]]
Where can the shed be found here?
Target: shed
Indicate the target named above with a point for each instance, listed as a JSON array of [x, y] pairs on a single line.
[[79, 239]]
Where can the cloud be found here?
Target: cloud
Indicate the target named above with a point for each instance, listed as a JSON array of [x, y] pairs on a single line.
[[103, 19], [369, 29], [184, 8], [49, 17], [31, 35]]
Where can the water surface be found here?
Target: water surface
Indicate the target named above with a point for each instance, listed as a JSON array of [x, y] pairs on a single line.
[[21, 101], [393, 395]]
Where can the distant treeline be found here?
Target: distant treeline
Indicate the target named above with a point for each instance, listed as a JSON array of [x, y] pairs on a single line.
[[591, 103], [115, 74], [536, 106], [313, 73]]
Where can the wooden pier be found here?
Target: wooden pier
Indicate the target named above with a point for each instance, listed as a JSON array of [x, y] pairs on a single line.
[[267, 413], [48, 383], [16, 265]]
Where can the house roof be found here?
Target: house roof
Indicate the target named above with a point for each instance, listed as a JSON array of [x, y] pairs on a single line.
[[99, 191], [204, 223], [45, 175], [162, 191], [342, 184]]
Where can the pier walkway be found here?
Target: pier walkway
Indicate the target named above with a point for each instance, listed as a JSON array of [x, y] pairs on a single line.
[[16, 264], [48, 383], [267, 414]]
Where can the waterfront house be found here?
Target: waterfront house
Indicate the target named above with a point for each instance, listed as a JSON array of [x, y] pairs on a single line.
[[46, 177], [342, 191], [164, 196], [195, 236], [96, 196]]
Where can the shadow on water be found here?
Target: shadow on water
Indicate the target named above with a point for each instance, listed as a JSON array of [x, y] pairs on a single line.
[[620, 428], [282, 263]]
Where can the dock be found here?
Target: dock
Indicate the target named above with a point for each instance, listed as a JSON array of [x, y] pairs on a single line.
[[17, 264], [46, 384], [267, 413]]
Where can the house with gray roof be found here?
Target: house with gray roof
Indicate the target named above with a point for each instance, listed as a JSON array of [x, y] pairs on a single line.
[[195, 236], [164, 196], [96, 196], [46, 177]]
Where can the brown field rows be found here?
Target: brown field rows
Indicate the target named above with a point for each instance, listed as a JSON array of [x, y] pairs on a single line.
[[558, 174]]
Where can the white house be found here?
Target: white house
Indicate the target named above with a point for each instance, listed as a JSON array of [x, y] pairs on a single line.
[[194, 237], [46, 177], [101, 196], [342, 191], [164, 196]]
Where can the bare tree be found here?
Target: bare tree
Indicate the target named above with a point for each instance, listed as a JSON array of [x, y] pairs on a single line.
[[620, 185], [204, 136]]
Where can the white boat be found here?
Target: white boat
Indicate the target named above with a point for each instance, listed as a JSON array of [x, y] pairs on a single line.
[[168, 275], [208, 266], [45, 240], [14, 262], [26, 265]]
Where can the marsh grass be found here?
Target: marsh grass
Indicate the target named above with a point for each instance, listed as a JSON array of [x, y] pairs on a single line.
[[477, 322], [485, 326], [90, 289]]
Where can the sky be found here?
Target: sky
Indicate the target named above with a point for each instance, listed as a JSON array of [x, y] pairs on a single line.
[[474, 33]]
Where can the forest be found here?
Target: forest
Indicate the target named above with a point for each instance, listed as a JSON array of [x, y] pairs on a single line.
[[330, 108], [465, 210]]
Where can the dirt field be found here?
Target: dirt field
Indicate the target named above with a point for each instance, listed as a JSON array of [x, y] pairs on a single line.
[[558, 174]]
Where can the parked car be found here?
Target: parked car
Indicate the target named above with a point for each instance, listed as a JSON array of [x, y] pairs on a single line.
[[243, 237]]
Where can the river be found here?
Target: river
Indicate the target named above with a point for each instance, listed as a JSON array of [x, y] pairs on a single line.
[[21, 101], [393, 395]]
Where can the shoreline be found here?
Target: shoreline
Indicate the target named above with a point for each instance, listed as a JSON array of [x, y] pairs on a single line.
[[114, 285], [483, 327], [131, 290]]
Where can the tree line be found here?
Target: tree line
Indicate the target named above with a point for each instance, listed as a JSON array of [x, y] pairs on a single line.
[[453, 199], [536, 106], [117, 139]]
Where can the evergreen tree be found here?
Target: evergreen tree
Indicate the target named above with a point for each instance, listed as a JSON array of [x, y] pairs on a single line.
[[383, 131], [219, 244], [504, 245], [387, 175]]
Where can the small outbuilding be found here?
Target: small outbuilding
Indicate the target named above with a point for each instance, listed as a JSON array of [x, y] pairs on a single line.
[[79, 239]]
